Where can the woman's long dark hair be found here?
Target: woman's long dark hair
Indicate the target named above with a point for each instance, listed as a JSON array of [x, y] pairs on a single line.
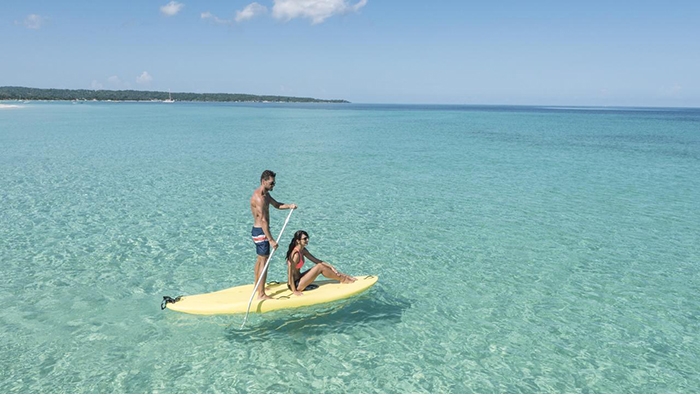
[[295, 241]]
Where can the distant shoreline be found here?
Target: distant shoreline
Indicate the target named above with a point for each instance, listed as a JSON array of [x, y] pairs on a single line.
[[35, 94]]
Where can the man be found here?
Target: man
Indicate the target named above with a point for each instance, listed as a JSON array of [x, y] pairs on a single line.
[[260, 207]]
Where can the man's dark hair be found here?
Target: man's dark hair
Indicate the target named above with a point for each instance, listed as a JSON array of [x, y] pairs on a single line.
[[267, 174]]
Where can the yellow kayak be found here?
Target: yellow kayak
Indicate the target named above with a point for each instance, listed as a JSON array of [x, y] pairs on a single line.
[[235, 299]]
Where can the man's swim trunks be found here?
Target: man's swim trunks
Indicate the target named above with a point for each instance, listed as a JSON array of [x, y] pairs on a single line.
[[262, 244]]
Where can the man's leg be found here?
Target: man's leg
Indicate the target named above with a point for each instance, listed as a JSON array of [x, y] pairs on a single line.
[[259, 265]]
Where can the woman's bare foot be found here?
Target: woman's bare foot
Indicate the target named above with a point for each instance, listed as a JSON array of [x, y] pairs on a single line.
[[264, 297], [345, 279]]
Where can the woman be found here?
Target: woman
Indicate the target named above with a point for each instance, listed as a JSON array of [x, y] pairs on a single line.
[[297, 280]]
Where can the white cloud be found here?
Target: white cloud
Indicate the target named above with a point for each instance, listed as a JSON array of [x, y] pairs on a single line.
[[672, 90], [114, 80], [144, 78], [34, 21], [171, 8], [96, 85], [209, 15], [316, 10], [250, 11]]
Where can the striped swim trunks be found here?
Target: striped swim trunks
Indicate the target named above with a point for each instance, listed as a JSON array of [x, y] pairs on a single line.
[[262, 244]]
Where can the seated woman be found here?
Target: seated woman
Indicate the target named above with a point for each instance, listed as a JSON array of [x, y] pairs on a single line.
[[297, 280]]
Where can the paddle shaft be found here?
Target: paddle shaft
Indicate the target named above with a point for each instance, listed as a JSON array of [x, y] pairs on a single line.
[[262, 273]]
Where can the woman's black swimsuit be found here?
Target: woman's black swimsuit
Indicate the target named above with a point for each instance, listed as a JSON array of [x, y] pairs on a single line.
[[311, 286]]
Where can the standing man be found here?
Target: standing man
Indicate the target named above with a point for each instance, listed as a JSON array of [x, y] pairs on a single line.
[[260, 207]]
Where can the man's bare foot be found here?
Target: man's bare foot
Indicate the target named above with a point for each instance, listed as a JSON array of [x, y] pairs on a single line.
[[264, 297]]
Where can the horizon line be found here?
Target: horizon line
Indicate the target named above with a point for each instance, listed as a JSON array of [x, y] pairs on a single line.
[[554, 106]]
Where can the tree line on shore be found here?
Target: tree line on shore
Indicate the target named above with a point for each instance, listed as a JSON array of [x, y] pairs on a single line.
[[22, 93]]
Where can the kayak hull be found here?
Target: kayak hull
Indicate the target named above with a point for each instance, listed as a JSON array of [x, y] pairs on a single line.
[[235, 300]]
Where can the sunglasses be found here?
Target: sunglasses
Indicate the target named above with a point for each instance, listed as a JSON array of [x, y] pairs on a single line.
[[304, 238]]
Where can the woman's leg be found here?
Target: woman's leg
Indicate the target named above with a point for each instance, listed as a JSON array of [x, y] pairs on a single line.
[[325, 270], [344, 278]]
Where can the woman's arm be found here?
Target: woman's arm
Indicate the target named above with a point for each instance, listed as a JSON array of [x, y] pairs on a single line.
[[290, 273], [317, 261], [311, 257]]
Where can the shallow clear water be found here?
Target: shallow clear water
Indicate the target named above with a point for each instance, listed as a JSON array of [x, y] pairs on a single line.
[[518, 249]]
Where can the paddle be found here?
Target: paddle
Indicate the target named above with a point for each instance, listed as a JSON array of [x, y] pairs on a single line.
[[265, 268]]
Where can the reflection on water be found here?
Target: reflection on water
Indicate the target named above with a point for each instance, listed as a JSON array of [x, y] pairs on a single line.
[[375, 308]]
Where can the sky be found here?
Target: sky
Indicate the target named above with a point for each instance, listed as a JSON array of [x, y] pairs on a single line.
[[592, 53]]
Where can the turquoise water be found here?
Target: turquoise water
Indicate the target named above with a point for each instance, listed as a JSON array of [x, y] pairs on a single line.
[[519, 249]]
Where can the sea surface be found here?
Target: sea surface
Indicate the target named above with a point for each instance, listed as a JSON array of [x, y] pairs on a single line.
[[518, 249]]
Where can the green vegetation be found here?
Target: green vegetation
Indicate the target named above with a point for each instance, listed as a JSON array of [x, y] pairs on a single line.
[[20, 93]]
